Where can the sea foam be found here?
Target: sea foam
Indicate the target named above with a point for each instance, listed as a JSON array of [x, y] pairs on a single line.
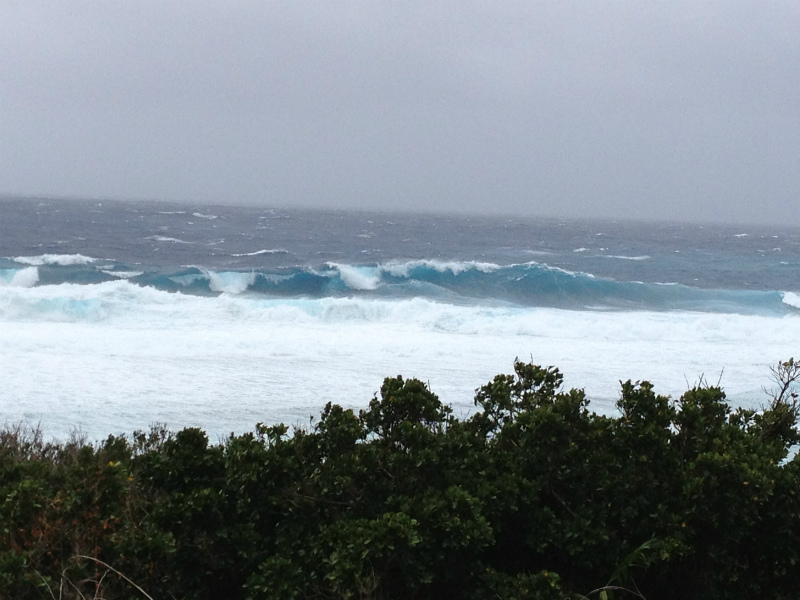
[[115, 356]]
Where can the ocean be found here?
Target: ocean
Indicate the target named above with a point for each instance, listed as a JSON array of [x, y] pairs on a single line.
[[118, 315]]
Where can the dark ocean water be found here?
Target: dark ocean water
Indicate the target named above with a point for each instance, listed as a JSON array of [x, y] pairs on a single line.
[[456, 259], [114, 315]]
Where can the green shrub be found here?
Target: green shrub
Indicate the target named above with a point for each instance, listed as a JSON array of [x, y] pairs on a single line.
[[533, 496]]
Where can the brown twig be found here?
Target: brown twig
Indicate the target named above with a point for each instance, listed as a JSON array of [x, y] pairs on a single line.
[[110, 568]]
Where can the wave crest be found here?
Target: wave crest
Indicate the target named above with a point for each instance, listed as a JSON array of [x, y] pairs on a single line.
[[791, 299], [61, 260], [23, 278], [358, 278], [404, 269], [529, 284]]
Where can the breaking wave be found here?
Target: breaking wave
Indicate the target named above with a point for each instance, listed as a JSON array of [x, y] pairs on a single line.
[[791, 299], [529, 284], [24, 278], [62, 260]]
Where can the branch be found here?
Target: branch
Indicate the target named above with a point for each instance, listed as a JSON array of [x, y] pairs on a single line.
[[110, 568]]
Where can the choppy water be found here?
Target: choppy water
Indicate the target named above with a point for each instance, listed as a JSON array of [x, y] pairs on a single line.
[[114, 315]]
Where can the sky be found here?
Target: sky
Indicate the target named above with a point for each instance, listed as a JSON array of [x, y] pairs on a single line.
[[674, 110]]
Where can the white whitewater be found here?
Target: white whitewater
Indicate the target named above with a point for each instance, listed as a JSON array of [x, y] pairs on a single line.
[[114, 357]]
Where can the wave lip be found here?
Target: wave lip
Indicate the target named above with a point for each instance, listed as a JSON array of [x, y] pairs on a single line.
[[230, 282], [358, 278], [61, 260], [221, 282], [791, 299], [530, 284], [23, 278]]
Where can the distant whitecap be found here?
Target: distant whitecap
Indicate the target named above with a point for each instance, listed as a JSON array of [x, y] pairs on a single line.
[[621, 257], [164, 238], [63, 260], [259, 252]]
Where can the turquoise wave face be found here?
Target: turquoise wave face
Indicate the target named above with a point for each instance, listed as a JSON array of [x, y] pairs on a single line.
[[528, 284]]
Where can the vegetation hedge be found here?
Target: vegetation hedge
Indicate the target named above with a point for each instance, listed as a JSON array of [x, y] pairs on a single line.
[[532, 496]]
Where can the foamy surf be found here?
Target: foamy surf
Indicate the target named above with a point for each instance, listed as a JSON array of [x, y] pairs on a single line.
[[116, 356], [523, 284], [279, 312]]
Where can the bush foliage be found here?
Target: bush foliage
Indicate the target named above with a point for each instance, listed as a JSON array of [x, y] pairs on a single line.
[[532, 496]]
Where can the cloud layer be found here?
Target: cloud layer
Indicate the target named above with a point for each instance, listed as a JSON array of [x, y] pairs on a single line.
[[670, 110]]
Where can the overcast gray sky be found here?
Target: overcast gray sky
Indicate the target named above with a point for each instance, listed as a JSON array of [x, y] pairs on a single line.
[[678, 109]]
